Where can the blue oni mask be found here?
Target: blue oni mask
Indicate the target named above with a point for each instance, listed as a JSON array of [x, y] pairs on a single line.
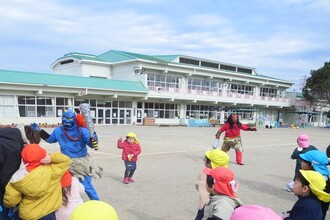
[[69, 119]]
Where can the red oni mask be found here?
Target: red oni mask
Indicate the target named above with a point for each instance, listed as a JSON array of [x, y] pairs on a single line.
[[234, 117]]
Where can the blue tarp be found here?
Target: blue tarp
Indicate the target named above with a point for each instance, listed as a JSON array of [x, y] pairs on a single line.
[[198, 123]]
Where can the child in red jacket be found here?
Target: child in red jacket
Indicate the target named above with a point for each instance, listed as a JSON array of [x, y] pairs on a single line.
[[131, 149]]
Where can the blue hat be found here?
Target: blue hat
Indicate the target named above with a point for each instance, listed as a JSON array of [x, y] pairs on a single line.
[[318, 160]]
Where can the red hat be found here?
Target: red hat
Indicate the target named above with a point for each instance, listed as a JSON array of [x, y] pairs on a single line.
[[31, 155], [224, 182], [66, 179]]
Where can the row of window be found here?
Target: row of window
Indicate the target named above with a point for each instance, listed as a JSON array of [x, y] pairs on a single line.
[[204, 85], [213, 112], [160, 110], [164, 82], [35, 106], [241, 89], [214, 65]]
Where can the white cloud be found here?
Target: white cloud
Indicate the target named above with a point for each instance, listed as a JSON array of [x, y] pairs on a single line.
[[280, 47], [207, 21]]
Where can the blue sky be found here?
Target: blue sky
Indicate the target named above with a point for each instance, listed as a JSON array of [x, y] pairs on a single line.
[[285, 39]]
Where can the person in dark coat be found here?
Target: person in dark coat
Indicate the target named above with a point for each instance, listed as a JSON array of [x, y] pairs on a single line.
[[11, 145]]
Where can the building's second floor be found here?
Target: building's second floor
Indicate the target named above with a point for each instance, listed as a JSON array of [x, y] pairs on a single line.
[[180, 77]]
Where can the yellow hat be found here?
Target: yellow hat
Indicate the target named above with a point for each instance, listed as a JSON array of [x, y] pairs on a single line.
[[218, 158], [133, 135], [316, 184], [94, 209]]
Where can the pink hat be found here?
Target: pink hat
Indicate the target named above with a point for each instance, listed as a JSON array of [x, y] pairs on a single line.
[[224, 182], [303, 141], [252, 212]]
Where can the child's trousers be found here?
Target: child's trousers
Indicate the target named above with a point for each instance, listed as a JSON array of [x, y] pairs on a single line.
[[130, 168]]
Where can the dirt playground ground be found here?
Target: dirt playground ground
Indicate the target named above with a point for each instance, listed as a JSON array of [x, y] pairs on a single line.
[[172, 157]]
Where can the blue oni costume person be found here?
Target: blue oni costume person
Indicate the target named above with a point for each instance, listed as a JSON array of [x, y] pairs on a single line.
[[73, 141]]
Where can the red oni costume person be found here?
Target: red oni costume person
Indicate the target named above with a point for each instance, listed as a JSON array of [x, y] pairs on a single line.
[[232, 139]]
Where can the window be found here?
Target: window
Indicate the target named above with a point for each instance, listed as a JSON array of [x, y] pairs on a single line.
[[7, 106], [241, 89], [243, 114], [202, 111], [244, 70], [227, 67], [208, 64], [268, 92], [163, 82], [66, 61], [204, 85], [161, 110], [189, 61]]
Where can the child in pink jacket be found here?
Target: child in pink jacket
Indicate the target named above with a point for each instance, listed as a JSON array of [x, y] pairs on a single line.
[[72, 190], [131, 149]]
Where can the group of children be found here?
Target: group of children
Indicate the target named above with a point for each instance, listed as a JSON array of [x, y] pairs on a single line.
[[48, 186], [217, 188], [45, 189], [311, 181]]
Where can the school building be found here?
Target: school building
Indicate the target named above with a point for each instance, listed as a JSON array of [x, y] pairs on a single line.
[[131, 88]]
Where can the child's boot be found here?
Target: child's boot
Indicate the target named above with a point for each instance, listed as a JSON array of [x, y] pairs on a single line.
[[239, 157], [130, 179], [126, 180]]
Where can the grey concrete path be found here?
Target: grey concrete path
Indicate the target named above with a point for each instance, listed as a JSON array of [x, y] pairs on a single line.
[[172, 158]]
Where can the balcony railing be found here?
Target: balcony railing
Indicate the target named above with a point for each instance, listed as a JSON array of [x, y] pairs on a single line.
[[213, 95]]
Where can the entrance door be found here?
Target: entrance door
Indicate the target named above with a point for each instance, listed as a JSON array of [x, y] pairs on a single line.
[[107, 113], [125, 116], [114, 116], [139, 117], [103, 116]]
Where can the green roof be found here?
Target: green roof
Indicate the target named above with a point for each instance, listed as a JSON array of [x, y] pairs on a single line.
[[114, 56], [18, 77], [167, 58], [82, 56], [118, 56]]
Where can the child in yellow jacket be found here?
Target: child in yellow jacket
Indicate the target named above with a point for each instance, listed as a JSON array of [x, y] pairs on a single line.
[[36, 187]]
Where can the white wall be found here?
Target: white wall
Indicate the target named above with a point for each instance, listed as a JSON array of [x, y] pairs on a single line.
[[123, 72], [126, 72], [167, 121], [73, 70], [96, 71]]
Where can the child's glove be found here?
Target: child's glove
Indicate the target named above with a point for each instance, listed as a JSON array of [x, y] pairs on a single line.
[[217, 135], [130, 156], [95, 145], [285, 214], [46, 160], [252, 129], [35, 126]]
